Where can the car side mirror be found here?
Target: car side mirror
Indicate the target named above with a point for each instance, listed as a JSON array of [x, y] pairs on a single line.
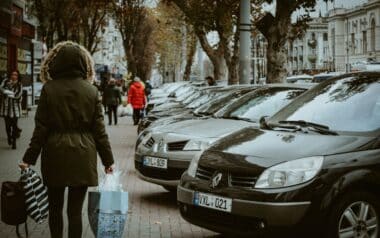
[[263, 122]]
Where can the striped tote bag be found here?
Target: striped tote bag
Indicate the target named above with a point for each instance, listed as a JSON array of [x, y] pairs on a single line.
[[36, 196]]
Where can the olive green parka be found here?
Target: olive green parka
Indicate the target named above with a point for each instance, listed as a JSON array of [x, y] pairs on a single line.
[[69, 127]]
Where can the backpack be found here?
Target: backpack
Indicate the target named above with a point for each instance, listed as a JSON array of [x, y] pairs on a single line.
[[13, 206]]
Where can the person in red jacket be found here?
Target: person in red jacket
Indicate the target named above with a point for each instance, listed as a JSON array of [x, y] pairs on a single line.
[[136, 97]]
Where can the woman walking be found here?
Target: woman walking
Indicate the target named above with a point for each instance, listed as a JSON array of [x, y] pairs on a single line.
[[112, 99], [10, 107], [69, 131], [136, 97]]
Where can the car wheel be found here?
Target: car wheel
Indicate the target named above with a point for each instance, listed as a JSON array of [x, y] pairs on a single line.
[[170, 189], [355, 215]]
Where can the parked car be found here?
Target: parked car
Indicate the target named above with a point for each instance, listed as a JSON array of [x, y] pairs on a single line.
[[162, 155], [313, 167], [304, 78], [324, 76], [203, 107]]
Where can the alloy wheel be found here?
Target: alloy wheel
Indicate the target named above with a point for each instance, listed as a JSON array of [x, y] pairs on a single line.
[[359, 220]]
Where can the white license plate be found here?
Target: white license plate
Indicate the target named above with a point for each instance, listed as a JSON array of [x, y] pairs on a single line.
[[213, 202], [155, 162]]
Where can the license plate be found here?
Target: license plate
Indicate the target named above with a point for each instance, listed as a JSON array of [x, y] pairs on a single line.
[[213, 202], [155, 162]]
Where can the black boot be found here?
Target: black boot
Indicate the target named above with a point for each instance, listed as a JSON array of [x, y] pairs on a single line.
[[9, 140], [18, 132], [14, 144]]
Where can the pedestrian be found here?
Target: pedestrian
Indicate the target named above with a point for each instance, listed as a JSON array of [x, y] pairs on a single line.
[[112, 99], [10, 107], [210, 81], [136, 97], [148, 89], [70, 131]]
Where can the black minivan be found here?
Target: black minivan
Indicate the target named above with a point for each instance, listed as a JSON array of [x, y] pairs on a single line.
[[312, 167]]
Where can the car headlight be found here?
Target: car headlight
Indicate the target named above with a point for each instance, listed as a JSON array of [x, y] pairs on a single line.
[[197, 145], [290, 173], [192, 170], [143, 138]]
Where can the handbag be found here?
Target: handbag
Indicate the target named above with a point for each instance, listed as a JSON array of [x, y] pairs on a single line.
[[13, 206], [36, 196]]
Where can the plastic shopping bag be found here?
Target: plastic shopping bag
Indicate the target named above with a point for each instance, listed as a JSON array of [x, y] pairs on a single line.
[[108, 208], [125, 111]]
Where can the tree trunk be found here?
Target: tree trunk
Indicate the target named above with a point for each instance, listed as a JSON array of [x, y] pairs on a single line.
[[220, 68], [216, 57], [190, 58], [276, 63], [233, 66]]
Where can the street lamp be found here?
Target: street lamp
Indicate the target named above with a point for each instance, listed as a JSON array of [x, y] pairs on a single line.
[[245, 41]]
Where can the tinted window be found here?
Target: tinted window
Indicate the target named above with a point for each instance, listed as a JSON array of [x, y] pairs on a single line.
[[263, 102], [348, 104]]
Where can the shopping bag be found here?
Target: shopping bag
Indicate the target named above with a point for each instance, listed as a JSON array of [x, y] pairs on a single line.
[[123, 111], [36, 196], [108, 208]]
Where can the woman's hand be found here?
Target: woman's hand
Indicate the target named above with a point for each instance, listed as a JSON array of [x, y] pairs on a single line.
[[108, 170], [23, 165]]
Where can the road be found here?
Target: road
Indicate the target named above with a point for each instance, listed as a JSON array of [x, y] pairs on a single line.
[[152, 211]]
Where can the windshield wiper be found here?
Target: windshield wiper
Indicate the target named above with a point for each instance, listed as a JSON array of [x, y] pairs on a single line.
[[238, 118], [322, 129]]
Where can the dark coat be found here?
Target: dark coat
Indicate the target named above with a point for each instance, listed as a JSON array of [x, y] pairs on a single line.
[[69, 127], [136, 95], [112, 95]]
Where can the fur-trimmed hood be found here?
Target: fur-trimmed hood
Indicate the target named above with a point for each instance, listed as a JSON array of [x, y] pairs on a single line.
[[67, 60]]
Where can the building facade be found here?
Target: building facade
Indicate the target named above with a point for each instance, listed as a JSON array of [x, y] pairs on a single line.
[[16, 36], [111, 50], [354, 35], [310, 52]]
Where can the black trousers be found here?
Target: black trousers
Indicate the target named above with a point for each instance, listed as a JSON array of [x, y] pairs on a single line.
[[136, 115], [112, 109], [11, 127], [75, 201]]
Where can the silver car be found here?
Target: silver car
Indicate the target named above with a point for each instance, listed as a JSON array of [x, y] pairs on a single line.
[[163, 154]]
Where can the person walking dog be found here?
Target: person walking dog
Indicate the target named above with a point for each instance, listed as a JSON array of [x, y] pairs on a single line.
[[10, 107], [136, 97], [69, 132], [112, 99]]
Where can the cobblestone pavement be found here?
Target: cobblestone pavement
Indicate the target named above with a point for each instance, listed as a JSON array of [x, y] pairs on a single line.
[[153, 211]]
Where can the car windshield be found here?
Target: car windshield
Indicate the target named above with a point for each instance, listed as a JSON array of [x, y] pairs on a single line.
[[318, 79], [262, 102], [203, 99], [191, 98], [214, 105], [347, 104]]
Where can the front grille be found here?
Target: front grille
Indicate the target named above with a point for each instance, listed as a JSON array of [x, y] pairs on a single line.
[[165, 174], [177, 146], [150, 143], [243, 181], [204, 173], [240, 181]]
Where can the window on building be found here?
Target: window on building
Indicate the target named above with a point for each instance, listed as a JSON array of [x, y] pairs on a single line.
[[325, 37], [364, 42], [373, 35], [353, 42]]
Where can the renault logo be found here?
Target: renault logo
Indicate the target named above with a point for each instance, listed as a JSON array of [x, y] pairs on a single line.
[[216, 180], [158, 146]]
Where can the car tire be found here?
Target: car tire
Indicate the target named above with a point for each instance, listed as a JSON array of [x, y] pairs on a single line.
[[348, 216], [170, 189]]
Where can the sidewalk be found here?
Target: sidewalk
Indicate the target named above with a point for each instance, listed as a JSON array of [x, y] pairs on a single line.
[[153, 211]]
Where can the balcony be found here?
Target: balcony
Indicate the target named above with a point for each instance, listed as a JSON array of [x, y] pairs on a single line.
[[312, 58], [312, 43]]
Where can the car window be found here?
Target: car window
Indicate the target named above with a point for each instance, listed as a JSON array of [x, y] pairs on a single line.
[[265, 104], [348, 104]]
